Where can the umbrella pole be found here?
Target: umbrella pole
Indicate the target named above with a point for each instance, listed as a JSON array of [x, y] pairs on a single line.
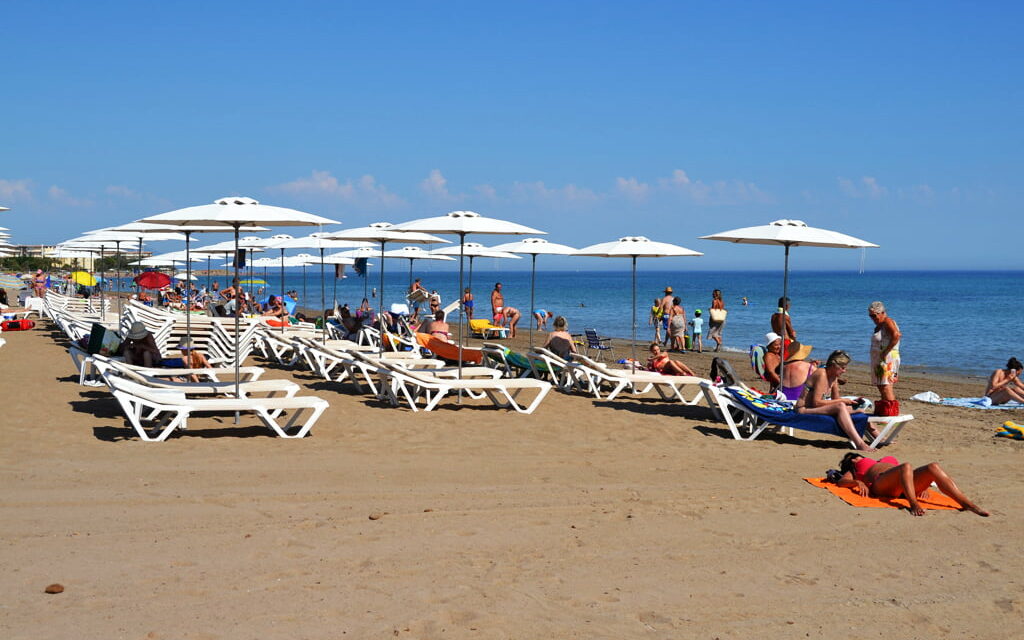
[[283, 304], [209, 284], [188, 291], [335, 285], [117, 282], [632, 365], [138, 287], [305, 291], [103, 281], [323, 297], [462, 312], [785, 294], [533, 281], [380, 311], [238, 300], [470, 275]]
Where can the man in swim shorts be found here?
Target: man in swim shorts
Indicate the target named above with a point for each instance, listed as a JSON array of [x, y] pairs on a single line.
[[666, 305]]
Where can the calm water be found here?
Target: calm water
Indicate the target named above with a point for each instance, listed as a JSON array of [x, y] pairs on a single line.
[[961, 321]]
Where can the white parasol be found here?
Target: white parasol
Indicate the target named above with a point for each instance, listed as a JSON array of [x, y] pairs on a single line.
[[634, 247], [463, 223], [790, 233], [534, 247]]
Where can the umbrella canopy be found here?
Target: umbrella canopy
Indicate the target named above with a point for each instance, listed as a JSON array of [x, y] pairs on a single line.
[[383, 233], [415, 253], [463, 223], [184, 276], [83, 278], [473, 250], [166, 259], [634, 247], [534, 247], [790, 233], [10, 282], [152, 280]]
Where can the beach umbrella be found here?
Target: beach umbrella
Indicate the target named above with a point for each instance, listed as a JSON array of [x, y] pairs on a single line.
[[83, 278], [414, 253], [185, 276], [462, 224], [534, 247], [383, 233], [237, 213], [790, 233], [10, 282], [634, 247], [152, 280], [355, 254], [473, 250], [124, 236], [320, 241]]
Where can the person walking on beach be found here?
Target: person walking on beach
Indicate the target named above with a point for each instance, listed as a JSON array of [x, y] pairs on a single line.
[[416, 299], [542, 316], [716, 318], [497, 304], [885, 358], [666, 313], [677, 325], [655, 319]]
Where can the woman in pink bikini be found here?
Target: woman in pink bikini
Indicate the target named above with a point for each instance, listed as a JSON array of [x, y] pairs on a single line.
[[888, 478]]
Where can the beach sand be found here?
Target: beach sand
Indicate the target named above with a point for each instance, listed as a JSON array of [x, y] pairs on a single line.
[[635, 518]]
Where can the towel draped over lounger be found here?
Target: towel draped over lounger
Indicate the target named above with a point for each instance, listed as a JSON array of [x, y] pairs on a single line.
[[783, 414]]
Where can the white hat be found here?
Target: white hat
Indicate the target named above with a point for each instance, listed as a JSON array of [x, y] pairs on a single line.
[[771, 337]]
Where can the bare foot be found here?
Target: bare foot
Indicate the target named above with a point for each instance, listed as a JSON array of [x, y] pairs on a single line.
[[916, 510], [978, 510]]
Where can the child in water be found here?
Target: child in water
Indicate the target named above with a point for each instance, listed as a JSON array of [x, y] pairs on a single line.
[[698, 328]]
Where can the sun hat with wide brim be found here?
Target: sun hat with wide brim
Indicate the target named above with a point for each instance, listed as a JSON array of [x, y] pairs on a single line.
[[186, 345], [798, 351], [138, 331], [668, 289]]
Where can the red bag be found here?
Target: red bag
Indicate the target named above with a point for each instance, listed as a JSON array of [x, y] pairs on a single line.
[[17, 325], [887, 408]]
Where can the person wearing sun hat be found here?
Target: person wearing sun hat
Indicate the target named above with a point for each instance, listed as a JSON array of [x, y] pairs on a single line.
[[666, 305], [192, 357], [797, 370], [140, 347], [772, 359]]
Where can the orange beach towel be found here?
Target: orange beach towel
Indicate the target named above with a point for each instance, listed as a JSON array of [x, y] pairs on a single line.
[[936, 501]]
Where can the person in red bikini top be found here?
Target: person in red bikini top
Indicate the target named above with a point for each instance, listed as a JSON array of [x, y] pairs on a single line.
[[661, 363], [887, 477]]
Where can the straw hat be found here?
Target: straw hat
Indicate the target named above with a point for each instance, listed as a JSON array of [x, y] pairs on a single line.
[[668, 289], [798, 351], [138, 331]]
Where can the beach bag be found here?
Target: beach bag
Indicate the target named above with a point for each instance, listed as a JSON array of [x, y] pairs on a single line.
[[17, 325], [718, 315], [887, 408]]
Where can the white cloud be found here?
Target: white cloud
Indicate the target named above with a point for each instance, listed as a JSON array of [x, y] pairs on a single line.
[[632, 188], [865, 187], [62, 197], [364, 190], [435, 186], [486, 191], [720, 192], [120, 191], [538, 191], [12, 190]]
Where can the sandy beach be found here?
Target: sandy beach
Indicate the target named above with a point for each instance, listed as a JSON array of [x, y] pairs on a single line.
[[635, 518]]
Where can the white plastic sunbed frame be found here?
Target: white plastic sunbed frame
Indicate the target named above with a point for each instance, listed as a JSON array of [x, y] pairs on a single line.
[[408, 385], [737, 416], [171, 409], [593, 375]]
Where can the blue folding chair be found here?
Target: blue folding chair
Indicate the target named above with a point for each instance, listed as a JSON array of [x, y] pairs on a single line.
[[597, 343]]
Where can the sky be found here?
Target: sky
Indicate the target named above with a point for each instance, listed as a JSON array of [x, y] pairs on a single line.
[[895, 122]]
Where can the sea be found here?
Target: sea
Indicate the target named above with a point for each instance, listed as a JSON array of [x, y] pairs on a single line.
[[952, 321]]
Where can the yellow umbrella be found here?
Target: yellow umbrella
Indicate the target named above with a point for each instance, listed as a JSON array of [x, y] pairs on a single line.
[[83, 278]]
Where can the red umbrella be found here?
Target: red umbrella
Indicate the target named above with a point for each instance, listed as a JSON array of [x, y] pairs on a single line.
[[152, 280]]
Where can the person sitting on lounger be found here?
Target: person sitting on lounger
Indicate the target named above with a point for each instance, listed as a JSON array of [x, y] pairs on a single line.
[[439, 328], [661, 363], [797, 370], [888, 478], [193, 358], [1004, 385], [276, 309], [560, 341], [140, 347], [820, 396]]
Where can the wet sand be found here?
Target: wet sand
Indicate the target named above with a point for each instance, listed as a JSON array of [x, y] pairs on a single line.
[[635, 518]]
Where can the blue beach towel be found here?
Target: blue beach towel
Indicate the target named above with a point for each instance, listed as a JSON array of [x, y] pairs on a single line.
[[968, 403], [783, 414]]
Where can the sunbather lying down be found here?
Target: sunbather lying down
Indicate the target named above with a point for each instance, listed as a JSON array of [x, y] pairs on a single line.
[[664, 365], [888, 478]]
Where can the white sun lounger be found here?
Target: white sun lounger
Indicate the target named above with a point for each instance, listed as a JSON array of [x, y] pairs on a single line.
[[171, 409], [593, 376], [738, 417], [409, 385]]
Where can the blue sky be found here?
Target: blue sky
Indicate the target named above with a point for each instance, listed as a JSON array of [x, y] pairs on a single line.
[[899, 123]]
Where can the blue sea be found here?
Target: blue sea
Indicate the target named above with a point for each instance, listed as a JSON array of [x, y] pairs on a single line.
[[952, 321]]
